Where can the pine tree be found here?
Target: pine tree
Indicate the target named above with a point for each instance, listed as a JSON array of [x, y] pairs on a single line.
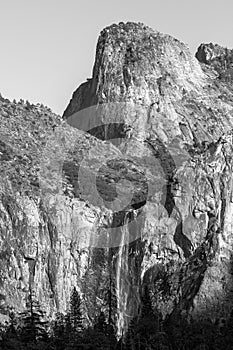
[[34, 325], [12, 324], [8, 334], [101, 324], [68, 330], [143, 332], [146, 303], [76, 318], [73, 330], [59, 331]]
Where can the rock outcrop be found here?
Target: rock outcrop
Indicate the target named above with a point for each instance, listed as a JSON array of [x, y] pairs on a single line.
[[219, 58], [132, 188]]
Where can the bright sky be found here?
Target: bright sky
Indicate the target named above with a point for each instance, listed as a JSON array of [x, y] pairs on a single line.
[[47, 47]]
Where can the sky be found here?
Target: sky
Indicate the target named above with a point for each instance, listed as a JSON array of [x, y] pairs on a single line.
[[47, 47]]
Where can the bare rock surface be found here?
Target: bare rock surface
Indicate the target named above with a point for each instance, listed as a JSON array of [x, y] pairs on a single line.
[[131, 188]]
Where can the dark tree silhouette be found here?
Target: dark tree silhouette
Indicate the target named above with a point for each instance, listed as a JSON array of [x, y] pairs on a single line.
[[76, 318], [34, 325]]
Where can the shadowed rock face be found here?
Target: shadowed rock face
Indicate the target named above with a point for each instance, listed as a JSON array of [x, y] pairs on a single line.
[[219, 58], [132, 188]]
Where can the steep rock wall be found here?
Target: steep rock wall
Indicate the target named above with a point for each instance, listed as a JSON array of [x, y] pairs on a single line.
[[183, 112], [169, 162]]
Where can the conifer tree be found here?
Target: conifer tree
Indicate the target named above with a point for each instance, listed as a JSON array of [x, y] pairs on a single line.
[[34, 325], [76, 318], [146, 303], [73, 329], [101, 324], [59, 331], [9, 339]]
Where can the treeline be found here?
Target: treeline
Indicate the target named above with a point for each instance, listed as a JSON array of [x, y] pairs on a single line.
[[149, 331], [30, 330]]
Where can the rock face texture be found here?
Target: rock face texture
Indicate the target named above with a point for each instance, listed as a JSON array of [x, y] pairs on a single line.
[[221, 59], [132, 188]]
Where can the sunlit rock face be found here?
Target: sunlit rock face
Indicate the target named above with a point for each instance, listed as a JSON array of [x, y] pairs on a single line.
[[180, 114], [132, 187]]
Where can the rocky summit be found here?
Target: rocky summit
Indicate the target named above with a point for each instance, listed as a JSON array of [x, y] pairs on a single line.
[[127, 198]]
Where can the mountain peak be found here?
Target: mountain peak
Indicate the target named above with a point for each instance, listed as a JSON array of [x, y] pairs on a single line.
[[135, 61]]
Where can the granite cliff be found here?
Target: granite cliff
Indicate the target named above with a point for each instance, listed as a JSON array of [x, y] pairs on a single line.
[[132, 188]]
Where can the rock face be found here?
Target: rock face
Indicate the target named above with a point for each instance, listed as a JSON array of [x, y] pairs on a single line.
[[132, 188], [221, 59]]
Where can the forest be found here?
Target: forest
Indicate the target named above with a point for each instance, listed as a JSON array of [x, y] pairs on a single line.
[[30, 330]]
